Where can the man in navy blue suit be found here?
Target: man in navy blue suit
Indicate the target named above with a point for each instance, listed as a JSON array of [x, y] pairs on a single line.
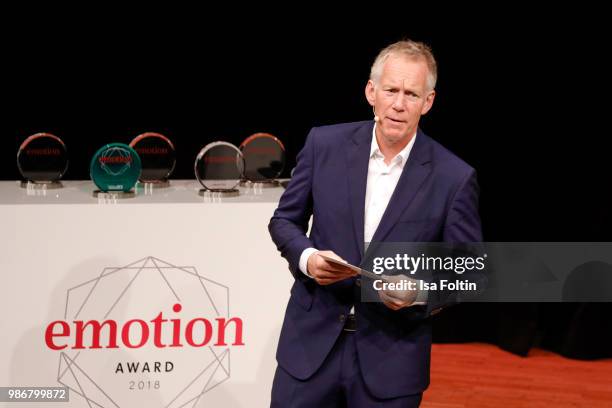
[[373, 181]]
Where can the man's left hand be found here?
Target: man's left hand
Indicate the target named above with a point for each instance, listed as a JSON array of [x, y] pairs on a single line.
[[397, 299]]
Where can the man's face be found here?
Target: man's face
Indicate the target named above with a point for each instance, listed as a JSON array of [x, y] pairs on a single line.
[[400, 97]]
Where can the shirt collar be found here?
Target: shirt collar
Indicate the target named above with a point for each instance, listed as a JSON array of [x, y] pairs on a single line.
[[402, 156]]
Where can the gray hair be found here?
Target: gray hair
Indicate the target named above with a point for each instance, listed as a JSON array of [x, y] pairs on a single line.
[[409, 49]]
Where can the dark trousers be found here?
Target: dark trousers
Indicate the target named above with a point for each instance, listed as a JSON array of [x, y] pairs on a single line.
[[338, 383]]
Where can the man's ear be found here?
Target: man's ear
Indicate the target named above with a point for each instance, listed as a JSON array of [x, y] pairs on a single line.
[[429, 100], [370, 93]]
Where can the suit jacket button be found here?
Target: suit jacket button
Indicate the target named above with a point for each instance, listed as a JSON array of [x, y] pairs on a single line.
[[358, 281]]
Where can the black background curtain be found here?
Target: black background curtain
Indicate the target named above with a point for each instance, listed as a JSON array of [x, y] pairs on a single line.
[[575, 330]]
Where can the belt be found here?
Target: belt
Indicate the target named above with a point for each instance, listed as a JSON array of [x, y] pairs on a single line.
[[350, 323]]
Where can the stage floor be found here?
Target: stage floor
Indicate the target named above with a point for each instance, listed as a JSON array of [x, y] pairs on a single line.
[[476, 375]]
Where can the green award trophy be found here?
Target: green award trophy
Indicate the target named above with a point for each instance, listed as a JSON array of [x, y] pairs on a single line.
[[115, 169]]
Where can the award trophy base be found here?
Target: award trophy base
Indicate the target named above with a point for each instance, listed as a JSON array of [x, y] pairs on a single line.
[[113, 195], [260, 183], [40, 185], [152, 184], [147, 187], [204, 192]]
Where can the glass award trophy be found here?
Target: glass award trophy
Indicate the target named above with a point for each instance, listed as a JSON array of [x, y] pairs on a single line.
[[115, 169], [219, 167], [157, 156], [264, 159], [42, 160]]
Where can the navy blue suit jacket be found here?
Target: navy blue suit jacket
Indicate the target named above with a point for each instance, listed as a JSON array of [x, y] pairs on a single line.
[[436, 199]]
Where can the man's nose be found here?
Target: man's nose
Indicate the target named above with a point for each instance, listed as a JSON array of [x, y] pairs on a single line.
[[398, 102]]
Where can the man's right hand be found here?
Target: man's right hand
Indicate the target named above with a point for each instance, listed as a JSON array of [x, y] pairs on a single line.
[[326, 273]]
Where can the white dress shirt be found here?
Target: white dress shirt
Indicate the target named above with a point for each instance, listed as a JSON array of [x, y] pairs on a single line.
[[382, 180]]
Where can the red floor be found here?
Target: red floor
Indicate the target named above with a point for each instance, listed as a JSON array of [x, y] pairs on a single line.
[[481, 375]]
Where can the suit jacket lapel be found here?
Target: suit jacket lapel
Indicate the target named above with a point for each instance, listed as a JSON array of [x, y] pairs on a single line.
[[358, 156], [416, 170]]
